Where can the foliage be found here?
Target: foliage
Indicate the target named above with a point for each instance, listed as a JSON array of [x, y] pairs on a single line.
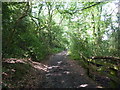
[[24, 38], [36, 29]]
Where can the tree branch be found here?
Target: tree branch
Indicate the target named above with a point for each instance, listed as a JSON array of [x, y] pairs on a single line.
[[25, 13], [91, 5]]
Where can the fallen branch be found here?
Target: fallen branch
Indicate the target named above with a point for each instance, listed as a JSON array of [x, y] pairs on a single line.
[[105, 57]]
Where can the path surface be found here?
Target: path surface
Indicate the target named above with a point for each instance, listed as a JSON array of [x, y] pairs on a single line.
[[64, 73]]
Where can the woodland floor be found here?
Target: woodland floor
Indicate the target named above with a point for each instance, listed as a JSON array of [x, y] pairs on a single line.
[[57, 72], [64, 73], [60, 72]]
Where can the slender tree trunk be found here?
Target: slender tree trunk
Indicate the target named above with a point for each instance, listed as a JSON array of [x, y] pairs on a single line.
[[118, 28]]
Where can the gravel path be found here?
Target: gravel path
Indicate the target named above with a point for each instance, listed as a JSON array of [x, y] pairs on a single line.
[[64, 73]]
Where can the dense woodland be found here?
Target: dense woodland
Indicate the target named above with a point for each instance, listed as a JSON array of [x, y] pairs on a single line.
[[88, 31]]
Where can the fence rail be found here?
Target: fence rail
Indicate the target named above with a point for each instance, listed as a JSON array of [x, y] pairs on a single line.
[[105, 65]]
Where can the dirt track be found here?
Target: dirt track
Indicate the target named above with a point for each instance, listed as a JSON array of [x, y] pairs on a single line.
[[64, 73]]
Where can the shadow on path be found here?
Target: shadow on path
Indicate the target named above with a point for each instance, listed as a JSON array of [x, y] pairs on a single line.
[[64, 73]]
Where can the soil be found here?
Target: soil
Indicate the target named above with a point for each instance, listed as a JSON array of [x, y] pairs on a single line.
[[57, 71], [64, 73]]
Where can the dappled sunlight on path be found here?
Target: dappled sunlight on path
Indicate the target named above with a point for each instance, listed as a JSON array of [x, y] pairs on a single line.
[[64, 73]]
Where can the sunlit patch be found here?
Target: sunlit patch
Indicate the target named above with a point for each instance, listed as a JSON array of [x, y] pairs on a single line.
[[99, 87], [53, 74], [83, 85], [12, 61], [43, 67], [15, 60], [62, 81], [66, 72], [49, 74], [51, 67], [19, 61], [62, 53], [55, 66], [107, 77], [59, 62], [40, 64], [3, 73], [81, 74], [13, 70], [40, 68]]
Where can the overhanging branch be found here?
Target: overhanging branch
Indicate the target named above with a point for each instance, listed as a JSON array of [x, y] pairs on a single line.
[[91, 5]]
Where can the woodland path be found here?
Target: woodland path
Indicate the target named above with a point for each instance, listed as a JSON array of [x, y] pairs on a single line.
[[56, 71], [64, 73]]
